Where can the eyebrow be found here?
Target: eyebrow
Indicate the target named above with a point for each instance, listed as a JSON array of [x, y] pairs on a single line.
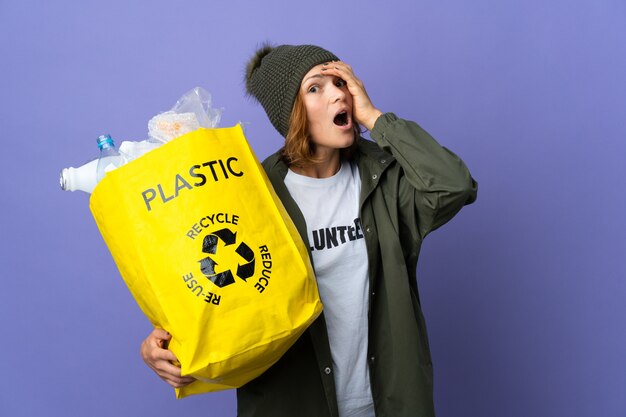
[[312, 76]]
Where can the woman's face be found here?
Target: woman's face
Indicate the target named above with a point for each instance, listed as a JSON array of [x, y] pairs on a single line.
[[329, 110]]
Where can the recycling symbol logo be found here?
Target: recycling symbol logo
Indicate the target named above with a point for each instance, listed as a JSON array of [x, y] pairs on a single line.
[[245, 269]]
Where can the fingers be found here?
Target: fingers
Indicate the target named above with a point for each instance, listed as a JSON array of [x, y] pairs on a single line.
[[355, 86], [161, 363], [363, 109], [179, 382], [344, 71], [160, 334], [160, 354], [337, 65], [171, 374], [161, 360]]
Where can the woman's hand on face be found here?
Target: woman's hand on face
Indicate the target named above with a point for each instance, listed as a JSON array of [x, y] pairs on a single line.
[[363, 110], [159, 359]]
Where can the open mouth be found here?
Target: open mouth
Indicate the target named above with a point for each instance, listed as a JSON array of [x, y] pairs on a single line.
[[341, 119]]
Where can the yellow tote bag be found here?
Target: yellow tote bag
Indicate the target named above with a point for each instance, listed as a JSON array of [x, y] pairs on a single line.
[[210, 255]]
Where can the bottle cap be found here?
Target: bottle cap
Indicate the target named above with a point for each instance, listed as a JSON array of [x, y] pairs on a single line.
[[63, 179], [105, 141]]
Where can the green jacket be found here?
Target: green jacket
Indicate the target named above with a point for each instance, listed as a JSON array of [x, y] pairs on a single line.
[[410, 185]]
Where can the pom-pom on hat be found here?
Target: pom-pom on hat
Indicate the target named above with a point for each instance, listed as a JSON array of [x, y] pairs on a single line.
[[274, 74]]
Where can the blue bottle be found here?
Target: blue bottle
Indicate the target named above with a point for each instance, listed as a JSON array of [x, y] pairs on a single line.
[[110, 158]]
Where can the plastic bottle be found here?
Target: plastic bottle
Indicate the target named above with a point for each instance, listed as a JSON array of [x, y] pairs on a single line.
[[82, 178], [85, 177], [110, 158]]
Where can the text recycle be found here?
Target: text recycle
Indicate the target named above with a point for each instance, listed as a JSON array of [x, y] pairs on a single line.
[[224, 275]]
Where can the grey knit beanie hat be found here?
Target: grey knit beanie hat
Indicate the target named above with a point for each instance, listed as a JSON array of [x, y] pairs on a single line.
[[274, 74]]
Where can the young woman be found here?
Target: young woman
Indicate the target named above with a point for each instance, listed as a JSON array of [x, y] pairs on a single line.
[[364, 208]]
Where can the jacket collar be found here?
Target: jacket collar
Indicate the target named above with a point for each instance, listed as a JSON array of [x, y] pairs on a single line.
[[369, 157], [371, 160]]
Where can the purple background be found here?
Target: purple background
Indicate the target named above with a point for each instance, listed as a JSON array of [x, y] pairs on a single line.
[[524, 291]]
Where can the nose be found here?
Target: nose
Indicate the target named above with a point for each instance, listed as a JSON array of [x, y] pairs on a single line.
[[338, 94]]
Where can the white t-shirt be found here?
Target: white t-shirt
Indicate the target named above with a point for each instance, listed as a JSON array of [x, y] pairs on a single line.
[[331, 209]]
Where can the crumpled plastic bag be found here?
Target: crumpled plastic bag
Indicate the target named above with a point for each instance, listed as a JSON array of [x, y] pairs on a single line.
[[192, 111]]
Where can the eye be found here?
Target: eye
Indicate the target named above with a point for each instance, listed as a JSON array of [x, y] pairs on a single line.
[[340, 83], [313, 89]]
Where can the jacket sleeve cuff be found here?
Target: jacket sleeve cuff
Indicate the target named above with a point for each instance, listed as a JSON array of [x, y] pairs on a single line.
[[382, 124]]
